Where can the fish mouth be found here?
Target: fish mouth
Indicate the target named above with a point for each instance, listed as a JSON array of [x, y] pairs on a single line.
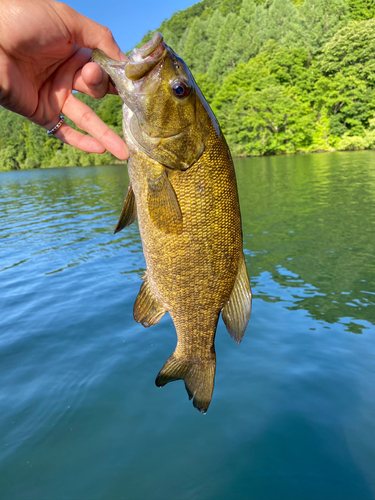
[[143, 60], [152, 49]]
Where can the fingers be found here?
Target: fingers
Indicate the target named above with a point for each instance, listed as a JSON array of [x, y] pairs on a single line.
[[58, 97], [76, 73], [78, 140], [93, 81], [85, 118]]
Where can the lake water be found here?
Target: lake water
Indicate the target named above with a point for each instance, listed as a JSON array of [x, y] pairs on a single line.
[[293, 410]]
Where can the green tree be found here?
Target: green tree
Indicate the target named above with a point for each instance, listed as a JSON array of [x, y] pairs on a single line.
[[110, 111], [322, 140], [274, 65], [346, 88], [212, 33], [281, 23], [9, 157], [351, 52], [194, 52], [224, 59], [270, 121], [170, 38], [349, 102], [246, 38], [320, 20], [227, 6], [362, 9]]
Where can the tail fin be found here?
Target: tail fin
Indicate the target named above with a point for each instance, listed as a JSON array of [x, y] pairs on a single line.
[[198, 375]]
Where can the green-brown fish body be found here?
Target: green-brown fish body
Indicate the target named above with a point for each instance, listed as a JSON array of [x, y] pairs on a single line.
[[183, 191]]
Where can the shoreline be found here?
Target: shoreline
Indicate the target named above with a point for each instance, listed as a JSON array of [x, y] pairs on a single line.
[[120, 162]]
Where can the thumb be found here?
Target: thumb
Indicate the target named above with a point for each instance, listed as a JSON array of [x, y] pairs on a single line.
[[89, 34]]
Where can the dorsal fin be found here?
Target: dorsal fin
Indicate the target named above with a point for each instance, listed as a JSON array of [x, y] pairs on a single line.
[[236, 312], [129, 211], [147, 309]]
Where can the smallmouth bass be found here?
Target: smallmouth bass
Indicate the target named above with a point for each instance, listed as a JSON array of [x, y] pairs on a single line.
[[183, 191]]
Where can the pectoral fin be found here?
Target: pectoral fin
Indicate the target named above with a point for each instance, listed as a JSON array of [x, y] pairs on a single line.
[[146, 308], [163, 205], [236, 312], [129, 211]]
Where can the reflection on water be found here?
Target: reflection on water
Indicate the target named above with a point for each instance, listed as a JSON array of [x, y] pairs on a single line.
[[293, 411], [314, 217]]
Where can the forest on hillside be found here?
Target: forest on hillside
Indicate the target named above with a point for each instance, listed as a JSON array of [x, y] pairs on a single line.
[[281, 76]]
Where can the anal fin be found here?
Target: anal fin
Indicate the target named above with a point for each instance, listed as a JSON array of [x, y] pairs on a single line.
[[163, 205], [129, 211], [146, 308], [198, 375], [236, 312]]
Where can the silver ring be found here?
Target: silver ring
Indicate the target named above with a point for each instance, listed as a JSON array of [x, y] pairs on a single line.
[[56, 127]]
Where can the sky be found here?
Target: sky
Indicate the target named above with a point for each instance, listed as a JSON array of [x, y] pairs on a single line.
[[129, 21]]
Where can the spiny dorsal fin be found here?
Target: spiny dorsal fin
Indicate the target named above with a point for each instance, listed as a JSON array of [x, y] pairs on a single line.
[[163, 205], [236, 312], [129, 211], [146, 309], [198, 375]]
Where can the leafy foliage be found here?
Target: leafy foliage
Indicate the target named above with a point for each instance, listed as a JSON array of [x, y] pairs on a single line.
[[362, 9], [24, 145], [282, 76]]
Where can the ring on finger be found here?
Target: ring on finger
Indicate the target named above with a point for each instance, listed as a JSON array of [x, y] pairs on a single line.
[[57, 126]]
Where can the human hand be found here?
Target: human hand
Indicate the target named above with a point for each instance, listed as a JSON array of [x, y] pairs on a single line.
[[45, 49]]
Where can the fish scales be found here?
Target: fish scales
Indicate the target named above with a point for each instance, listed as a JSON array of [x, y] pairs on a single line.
[[202, 271], [185, 192]]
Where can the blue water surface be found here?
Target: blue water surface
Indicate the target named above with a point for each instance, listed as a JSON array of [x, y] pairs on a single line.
[[293, 410]]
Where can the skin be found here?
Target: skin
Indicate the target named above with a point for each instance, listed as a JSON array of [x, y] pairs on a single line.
[[45, 49]]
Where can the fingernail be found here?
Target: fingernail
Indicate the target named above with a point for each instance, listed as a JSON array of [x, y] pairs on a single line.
[[124, 153]]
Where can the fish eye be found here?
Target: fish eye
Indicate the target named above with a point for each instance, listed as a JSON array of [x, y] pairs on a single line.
[[180, 89]]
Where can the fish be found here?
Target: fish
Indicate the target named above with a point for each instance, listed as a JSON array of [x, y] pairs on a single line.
[[183, 192]]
